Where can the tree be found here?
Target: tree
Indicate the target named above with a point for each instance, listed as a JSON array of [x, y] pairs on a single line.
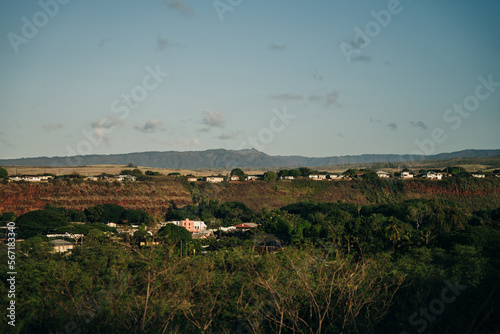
[[3, 173], [237, 172], [38, 222], [138, 217], [370, 175], [105, 213], [175, 234], [270, 176], [304, 171], [8, 217], [151, 173], [351, 172]]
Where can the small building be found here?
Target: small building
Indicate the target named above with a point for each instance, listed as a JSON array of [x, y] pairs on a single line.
[[406, 175], [383, 175], [288, 177], [214, 179], [92, 178], [317, 176], [192, 179], [61, 246], [192, 226], [433, 175], [333, 176], [479, 176], [246, 226], [254, 177], [235, 178]]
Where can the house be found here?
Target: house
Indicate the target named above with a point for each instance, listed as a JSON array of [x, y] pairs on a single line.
[[92, 178], [61, 246], [317, 176], [288, 177], [192, 179], [235, 178], [433, 175], [254, 177], [406, 175], [111, 224], [479, 176], [383, 175], [246, 226], [28, 178], [192, 226], [214, 179], [333, 176]]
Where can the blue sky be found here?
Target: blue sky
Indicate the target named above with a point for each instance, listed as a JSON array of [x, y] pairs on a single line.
[[284, 77]]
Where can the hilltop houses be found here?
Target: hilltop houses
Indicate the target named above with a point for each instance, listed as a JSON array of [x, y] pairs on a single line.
[[406, 175], [192, 226], [433, 175], [213, 179], [317, 176], [383, 175]]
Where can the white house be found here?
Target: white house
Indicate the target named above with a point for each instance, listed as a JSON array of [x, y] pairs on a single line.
[[235, 178], [192, 179], [433, 175], [383, 175], [288, 177], [317, 177], [406, 175], [333, 176], [479, 176], [214, 179], [61, 246], [254, 177]]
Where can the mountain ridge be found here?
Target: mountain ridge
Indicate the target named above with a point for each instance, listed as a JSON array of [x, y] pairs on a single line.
[[223, 158]]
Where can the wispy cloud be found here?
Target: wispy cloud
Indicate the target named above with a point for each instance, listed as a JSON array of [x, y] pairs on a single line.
[[213, 119], [393, 126], [189, 142], [227, 136], [341, 135], [317, 76], [180, 6], [287, 97], [102, 126], [326, 100], [418, 124], [53, 126], [161, 43], [362, 58], [150, 126], [277, 47], [375, 120], [6, 143]]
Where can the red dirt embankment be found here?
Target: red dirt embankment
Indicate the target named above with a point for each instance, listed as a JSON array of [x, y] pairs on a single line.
[[154, 198]]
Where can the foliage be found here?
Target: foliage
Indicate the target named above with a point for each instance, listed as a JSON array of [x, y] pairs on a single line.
[[270, 176], [3, 173], [105, 213], [175, 234]]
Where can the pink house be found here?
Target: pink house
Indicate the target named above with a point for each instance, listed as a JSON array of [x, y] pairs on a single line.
[[192, 226]]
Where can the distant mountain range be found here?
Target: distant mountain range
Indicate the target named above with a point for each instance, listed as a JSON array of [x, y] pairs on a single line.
[[221, 158]]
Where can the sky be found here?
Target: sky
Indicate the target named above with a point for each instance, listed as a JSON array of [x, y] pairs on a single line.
[[312, 78]]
